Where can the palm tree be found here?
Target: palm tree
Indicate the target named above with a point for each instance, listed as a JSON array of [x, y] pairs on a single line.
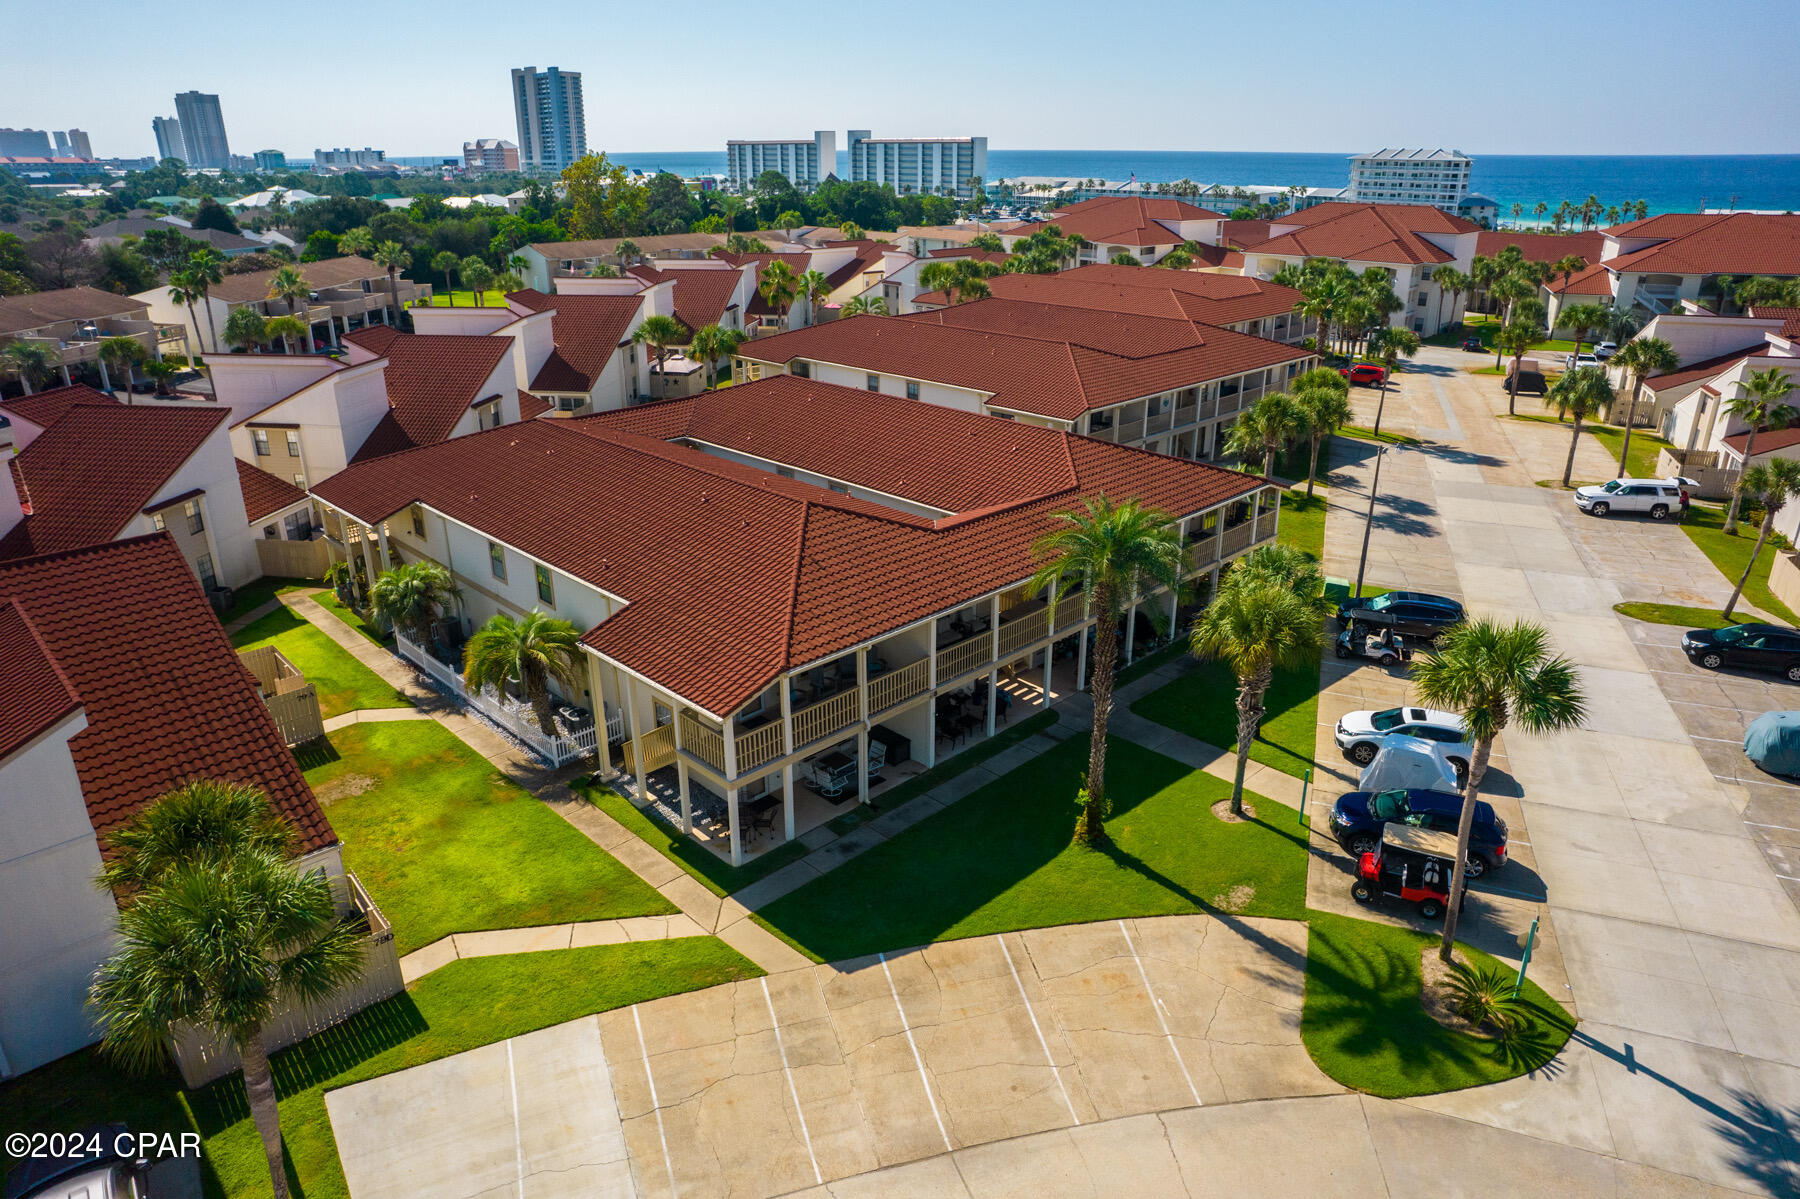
[[529, 652], [290, 285], [1452, 283], [358, 241], [414, 597], [1582, 319], [284, 329], [1539, 209], [816, 288], [1110, 551], [185, 290], [1579, 393], [201, 820], [1760, 406], [659, 333], [1388, 346], [391, 257], [478, 275], [1509, 289], [32, 361], [246, 328], [205, 268], [1263, 429], [122, 355], [1266, 616], [161, 371], [1641, 357], [1770, 485], [1513, 340], [1322, 398], [711, 343], [777, 286], [850, 231], [446, 262], [1495, 675], [867, 304], [626, 252], [220, 932]]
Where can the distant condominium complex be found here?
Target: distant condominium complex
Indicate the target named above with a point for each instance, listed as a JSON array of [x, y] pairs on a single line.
[[269, 160], [552, 123], [490, 154], [805, 161], [168, 138], [202, 131], [919, 165], [346, 157], [1439, 178], [73, 144]]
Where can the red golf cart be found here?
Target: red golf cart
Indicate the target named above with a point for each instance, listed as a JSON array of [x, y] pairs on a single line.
[[1411, 865]]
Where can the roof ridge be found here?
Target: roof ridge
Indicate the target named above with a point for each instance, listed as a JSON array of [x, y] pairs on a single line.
[[793, 604]]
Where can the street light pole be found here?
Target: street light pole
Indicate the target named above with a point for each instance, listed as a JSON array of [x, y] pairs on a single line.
[[1369, 519]]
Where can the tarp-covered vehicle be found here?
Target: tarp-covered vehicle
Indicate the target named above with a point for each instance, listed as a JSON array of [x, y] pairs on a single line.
[[1773, 742]]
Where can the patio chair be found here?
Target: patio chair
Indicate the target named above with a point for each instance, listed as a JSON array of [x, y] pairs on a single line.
[[832, 774], [877, 758]]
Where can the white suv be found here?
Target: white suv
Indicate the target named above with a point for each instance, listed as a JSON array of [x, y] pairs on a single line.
[[1361, 734], [1571, 361], [1654, 497]]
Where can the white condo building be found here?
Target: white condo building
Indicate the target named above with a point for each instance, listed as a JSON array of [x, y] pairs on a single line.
[[1439, 178], [805, 161], [919, 165], [552, 120]]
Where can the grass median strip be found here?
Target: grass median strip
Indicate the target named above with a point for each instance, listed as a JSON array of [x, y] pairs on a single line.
[[1676, 614], [343, 684]]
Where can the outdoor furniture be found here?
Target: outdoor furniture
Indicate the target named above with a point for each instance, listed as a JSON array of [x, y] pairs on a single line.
[[757, 815], [877, 758], [895, 748], [832, 774]]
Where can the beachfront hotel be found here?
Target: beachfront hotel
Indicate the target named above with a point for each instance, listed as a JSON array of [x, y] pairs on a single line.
[[1439, 178], [919, 165], [806, 162]]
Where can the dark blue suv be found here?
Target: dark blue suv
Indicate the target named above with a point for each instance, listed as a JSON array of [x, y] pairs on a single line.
[[1357, 818]]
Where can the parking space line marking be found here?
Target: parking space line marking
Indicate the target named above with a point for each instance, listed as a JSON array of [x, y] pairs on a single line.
[[1720, 740], [924, 1078], [1786, 828], [1156, 1004], [512, 1082], [1789, 877], [1026, 1000], [1732, 778], [655, 1104], [789, 1071]]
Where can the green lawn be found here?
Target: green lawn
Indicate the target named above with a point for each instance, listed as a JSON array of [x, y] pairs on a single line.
[[1303, 522], [1001, 860], [715, 873], [1203, 704], [1364, 1026], [1484, 325], [332, 604], [1705, 526], [343, 683], [1364, 433], [463, 1005], [254, 595], [464, 298], [1675, 614], [445, 843]]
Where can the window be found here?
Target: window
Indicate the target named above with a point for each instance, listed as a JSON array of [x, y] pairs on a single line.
[[293, 440], [299, 526], [800, 369], [196, 522], [261, 439], [545, 591], [786, 472], [156, 522], [418, 522], [497, 560], [208, 579], [841, 488], [872, 382], [912, 391]]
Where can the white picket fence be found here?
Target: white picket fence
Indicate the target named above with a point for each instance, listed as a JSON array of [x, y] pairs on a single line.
[[516, 719]]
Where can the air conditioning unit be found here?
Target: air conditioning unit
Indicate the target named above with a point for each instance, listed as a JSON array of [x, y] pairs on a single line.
[[220, 598]]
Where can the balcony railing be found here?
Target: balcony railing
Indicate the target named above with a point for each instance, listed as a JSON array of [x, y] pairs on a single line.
[[1203, 553], [1157, 422], [820, 720], [702, 740], [897, 686], [758, 745], [1235, 540], [1102, 433], [1027, 630], [964, 656], [1069, 611], [1186, 414]]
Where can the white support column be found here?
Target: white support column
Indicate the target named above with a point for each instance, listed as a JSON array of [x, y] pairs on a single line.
[[687, 803], [737, 839], [1131, 628], [931, 695], [862, 763], [993, 704], [1049, 661], [105, 378], [67, 382], [1081, 661], [635, 723], [729, 736], [787, 799], [381, 535]]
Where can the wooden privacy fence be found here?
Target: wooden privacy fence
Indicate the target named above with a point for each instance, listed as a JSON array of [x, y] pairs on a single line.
[[203, 1057], [291, 700], [292, 559]]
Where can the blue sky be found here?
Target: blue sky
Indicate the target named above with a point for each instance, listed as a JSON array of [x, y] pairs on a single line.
[[1651, 77]]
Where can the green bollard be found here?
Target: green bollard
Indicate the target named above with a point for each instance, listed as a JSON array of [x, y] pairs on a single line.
[[1530, 940], [1305, 782]]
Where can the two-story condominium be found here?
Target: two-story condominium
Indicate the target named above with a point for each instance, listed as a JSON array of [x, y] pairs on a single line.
[[1159, 383], [347, 293], [117, 684], [1651, 266], [1145, 228], [785, 588], [1408, 241], [72, 321]]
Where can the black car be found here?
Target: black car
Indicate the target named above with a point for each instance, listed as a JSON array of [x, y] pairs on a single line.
[[1474, 345], [1413, 614], [1357, 819], [1751, 646]]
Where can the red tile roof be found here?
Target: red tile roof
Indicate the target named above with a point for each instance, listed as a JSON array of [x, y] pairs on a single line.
[[265, 494], [1790, 318], [798, 263], [531, 406], [37, 692], [1122, 220], [431, 381], [1767, 441], [733, 574], [1148, 291], [47, 407], [166, 698], [1540, 247], [1246, 233], [587, 331], [1365, 233], [1735, 243], [701, 294], [867, 258], [1706, 368], [91, 472], [1596, 280]]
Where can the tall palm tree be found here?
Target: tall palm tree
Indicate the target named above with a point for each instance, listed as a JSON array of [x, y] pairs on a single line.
[[1760, 405], [1513, 340], [413, 598], [866, 304], [1641, 357], [1109, 551], [1621, 324], [205, 268], [290, 285], [392, 257], [1582, 319], [1539, 209], [1452, 283], [1579, 393], [1639, 210], [816, 288], [711, 343], [1388, 346], [1496, 675], [220, 932], [358, 241], [1266, 616], [1263, 429], [478, 275], [284, 329], [626, 252], [659, 332], [122, 355], [245, 328], [201, 820], [1508, 290], [32, 361], [445, 262], [1770, 485], [778, 286], [185, 290], [1322, 399], [528, 652]]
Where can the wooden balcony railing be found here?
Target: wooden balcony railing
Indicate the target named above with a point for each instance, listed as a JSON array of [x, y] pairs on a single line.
[[1069, 611], [701, 740], [899, 685], [1017, 634], [659, 750], [758, 745], [1102, 433], [826, 717], [1157, 422], [964, 656], [1203, 553], [1186, 414], [1129, 431], [1235, 540]]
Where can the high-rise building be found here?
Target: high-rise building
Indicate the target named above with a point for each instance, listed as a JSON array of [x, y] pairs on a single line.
[[24, 143], [490, 154], [552, 123], [805, 161], [1439, 178], [62, 143], [269, 160], [347, 157], [202, 130], [168, 138], [935, 166], [79, 144]]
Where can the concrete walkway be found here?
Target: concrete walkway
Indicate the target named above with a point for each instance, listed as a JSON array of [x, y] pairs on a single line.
[[492, 942], [373, 716]]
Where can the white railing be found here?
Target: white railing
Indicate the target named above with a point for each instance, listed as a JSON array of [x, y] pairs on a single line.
[[516, 719]]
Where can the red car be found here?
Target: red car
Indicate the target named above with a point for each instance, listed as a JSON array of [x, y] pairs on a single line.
[[1364, 374]]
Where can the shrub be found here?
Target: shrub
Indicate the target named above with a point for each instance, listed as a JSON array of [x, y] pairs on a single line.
[[1483, 995]]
